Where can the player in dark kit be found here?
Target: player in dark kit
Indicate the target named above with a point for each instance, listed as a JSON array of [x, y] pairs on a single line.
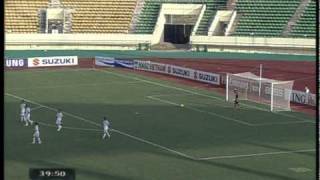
[[236, 99]]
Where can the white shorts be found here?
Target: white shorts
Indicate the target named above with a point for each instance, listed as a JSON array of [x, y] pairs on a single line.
[[106, 129], [36, 134], [22, 113], [27, 117], [58, 122]]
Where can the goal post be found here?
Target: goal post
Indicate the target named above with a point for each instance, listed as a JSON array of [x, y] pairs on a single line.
[[281, 94], [254, 88]]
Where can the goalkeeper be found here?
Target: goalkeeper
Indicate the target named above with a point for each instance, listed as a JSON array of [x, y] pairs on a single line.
[[236, 98]]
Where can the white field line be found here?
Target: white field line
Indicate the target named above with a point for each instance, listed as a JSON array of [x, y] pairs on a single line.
[[154, 144], [35, 108], [163, 147], [188, 91], [73, 85], [201, 111], [225, 117], [114, 130], [164, 95], [189, 95], [256, 154], [294, 117], [282, 123], [172, 87], [71, 128], [54, 109], [162, 100]]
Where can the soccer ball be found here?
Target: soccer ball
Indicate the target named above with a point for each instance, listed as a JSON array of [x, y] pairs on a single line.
[[182, 105]]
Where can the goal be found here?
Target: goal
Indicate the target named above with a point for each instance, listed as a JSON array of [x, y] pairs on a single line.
[[250, 87]]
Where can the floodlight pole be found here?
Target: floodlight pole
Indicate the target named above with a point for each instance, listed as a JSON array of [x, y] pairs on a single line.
[[272, 96], [260, 79], [227, 86]]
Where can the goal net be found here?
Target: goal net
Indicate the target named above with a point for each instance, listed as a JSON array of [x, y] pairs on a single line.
[[250, 87]]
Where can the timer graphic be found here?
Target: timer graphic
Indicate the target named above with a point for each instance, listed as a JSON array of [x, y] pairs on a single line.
[[51, 174]]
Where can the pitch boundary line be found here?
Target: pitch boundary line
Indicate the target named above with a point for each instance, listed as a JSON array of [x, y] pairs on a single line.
[[191, 92], [157, 145]]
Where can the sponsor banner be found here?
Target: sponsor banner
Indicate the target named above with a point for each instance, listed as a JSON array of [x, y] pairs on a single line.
[[113, 62], [104, 61], [150, 66], [16, 63], [178, 71], [124, 63], [181, 72], [303, 98], [53, 61], [207, 77]]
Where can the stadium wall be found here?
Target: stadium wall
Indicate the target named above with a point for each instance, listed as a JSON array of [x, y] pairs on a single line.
[[131, 42], [75, 41], [254, 44], [173, 9]]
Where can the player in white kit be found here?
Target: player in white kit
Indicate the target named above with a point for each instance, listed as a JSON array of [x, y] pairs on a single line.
[[59, 116], [106, 125], [22, 110], [27, 115], [36, 134]]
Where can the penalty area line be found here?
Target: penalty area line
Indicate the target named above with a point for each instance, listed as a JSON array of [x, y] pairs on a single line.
[[187, 91], [113, 130], [70, 128], [53, 109], [202, 111], [35, 108], [157, 145], [256, 154]]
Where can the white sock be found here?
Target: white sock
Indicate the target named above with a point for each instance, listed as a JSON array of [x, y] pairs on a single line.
[[104, 136]]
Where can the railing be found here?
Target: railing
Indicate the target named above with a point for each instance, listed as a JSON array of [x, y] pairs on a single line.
[[74, 41]]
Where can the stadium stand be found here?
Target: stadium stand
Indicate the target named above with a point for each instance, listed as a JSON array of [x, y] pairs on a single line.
[[99, 16], [258, 18], [21, 16], [212, 7], [264, 17], [148, 17], [102, 16], [306, 26]]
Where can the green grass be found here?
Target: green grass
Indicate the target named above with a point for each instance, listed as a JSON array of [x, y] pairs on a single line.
[[150, 109]]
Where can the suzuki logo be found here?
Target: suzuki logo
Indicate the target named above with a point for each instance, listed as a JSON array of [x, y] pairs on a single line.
[[36, 62]]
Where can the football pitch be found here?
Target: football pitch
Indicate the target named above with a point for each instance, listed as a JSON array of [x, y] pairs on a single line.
[[153, 137]]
